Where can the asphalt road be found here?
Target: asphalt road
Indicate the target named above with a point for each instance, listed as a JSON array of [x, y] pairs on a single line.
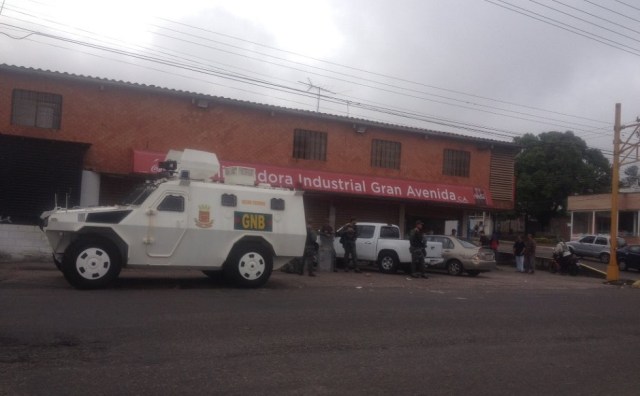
[[502, 333]]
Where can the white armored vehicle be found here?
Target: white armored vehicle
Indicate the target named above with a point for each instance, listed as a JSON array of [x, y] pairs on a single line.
[[185, 220]]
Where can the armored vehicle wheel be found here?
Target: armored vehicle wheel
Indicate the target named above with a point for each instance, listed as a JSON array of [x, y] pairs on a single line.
[[249, 265], [388, 262], [604, 258], [91, 263], [454, 267]]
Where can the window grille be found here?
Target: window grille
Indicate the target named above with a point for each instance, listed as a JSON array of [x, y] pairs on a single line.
[[310, 145], [456, 163], [36, 109], [385, 154]]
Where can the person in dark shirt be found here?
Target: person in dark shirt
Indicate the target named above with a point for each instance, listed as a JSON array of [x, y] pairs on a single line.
[[348, 238], [417, 249], [518, 253]]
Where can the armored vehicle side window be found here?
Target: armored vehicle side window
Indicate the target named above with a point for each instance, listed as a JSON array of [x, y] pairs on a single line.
[[229, 200], [277, 204], [172, 203], [601, 241], [139, 194]]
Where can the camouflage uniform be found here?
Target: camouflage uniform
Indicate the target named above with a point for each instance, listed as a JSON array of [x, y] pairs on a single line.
[[417, 249]]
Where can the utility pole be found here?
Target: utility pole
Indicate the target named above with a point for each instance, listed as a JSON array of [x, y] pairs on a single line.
[[613, 272]]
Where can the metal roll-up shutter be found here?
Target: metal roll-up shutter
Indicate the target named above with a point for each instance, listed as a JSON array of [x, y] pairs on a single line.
[[37, 173], [317, 210], [367, 210]]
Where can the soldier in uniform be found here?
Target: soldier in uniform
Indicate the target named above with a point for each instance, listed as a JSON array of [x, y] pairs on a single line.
[[348, 239], [310, 251], [417, 248]]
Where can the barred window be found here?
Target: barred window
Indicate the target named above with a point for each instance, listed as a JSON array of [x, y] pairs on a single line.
[[456, 163], [385, 154], [36, 109], [311, 145]]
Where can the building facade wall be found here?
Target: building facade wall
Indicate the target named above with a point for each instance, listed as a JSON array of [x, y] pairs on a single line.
[[114, 118]]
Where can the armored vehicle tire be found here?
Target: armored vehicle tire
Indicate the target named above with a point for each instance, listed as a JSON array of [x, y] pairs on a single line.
[[604, 258], [91, 263], [388, 262], [454, 267], [249, 265]]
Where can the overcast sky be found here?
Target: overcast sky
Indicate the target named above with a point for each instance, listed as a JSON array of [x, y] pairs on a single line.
[[490, 68]]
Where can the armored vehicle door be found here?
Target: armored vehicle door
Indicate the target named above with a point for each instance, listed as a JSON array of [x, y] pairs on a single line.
[[167, 224]]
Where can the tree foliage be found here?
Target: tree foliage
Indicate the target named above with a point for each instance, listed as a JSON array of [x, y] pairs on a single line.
[[552, 166], [631, 178]]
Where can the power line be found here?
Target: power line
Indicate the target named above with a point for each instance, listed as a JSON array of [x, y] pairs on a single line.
[[221, 73], [568, 28]]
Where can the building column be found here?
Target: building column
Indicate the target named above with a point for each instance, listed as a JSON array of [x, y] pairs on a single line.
[[89, 189]]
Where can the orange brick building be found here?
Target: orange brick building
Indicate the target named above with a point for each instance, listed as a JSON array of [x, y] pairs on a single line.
[[75, 140]]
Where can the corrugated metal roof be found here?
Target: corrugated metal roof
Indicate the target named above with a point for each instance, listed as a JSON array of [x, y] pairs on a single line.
[[244, 103]]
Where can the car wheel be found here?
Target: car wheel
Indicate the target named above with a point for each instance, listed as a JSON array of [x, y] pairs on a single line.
[[454, 267], [622, 265], [388, 263], [604, 258], [473, 273], [249, 265], [91, 263]]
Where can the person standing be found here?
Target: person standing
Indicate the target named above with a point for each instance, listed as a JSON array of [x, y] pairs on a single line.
[[529, 254], [494, 243], [417, 249], [562, 255], [310, 251], [484, 241], [518, 253], [348, 239], [326, 254]]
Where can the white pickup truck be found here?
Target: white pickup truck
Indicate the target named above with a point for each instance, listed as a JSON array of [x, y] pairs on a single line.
[[380, 243]]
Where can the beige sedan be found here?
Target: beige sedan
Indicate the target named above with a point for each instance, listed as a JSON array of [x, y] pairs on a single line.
[[463, 256]]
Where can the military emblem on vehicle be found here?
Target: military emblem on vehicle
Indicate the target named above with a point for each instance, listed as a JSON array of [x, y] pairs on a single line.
[[204, 217]]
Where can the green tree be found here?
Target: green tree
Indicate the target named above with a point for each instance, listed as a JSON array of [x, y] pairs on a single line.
[[631, 178], [552, 166]]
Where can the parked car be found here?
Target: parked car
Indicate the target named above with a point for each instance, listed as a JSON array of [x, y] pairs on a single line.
[[628, 257], [598, 246], [462, 256], [380, 243]]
